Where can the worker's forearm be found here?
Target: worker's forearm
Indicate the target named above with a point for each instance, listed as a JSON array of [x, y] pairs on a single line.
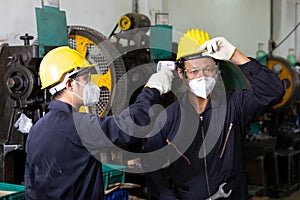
[[239, 58]]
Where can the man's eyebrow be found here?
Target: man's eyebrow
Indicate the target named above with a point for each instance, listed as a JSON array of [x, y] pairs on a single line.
[[203, 66]]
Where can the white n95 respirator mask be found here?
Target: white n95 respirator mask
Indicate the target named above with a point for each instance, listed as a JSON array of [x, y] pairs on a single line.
[[203, 86], [91, 93]]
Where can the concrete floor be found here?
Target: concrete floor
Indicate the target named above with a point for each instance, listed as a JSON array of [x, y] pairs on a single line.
[[294, 196]]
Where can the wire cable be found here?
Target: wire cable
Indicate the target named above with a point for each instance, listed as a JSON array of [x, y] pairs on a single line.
[[286, 37]]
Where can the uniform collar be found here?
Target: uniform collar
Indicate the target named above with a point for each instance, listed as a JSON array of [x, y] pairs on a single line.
[[61, 106], [185, 103]]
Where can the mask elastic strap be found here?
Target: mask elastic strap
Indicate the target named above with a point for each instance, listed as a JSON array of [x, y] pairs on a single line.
[[76, 95], [79, 84]]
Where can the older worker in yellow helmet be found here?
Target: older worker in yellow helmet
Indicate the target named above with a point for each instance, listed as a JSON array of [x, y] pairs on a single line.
[[62, 147], [206, 126]]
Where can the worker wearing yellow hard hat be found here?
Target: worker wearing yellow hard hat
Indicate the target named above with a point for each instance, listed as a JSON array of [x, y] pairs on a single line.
[[59, 66], [205, 127], [63, 147]]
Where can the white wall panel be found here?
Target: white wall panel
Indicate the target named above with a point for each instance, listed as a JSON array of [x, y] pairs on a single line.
[[245, 23], [18, 17]]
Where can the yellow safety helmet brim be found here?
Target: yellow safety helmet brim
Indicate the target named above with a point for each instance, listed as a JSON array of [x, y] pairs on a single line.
[[191, 41]]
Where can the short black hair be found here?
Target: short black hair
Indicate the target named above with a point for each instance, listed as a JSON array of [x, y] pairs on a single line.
[[57, 94]]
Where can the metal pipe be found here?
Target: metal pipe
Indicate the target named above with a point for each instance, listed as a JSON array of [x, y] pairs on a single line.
[[135, 6], [271, 42], [271, 19]]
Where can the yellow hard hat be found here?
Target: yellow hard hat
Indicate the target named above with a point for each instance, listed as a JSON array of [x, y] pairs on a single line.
[[58, 62], [191, 41]]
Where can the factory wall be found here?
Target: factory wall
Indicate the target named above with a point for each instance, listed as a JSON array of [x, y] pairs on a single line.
[[286, 14], [245, 23], [18, 17]]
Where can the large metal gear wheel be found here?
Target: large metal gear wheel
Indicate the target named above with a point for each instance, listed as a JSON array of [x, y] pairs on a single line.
[[290, 79], [97, 49]]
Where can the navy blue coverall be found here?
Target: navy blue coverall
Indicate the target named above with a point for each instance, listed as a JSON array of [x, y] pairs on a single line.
[[193, 175], [61, 163]]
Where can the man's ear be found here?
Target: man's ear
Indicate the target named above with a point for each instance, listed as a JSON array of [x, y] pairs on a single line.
[[69, 84]]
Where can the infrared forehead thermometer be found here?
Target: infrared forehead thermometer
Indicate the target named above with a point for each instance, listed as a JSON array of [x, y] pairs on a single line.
[[163, 65]]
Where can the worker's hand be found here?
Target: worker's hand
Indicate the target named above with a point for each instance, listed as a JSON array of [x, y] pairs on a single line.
[[218, 48], [161, 80]]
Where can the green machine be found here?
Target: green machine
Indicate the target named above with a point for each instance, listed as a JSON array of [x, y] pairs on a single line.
[[51, 26], [161, 42], [161, 46], [232, 76]]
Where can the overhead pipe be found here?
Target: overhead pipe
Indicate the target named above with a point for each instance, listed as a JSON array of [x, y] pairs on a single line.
[[271, 44]]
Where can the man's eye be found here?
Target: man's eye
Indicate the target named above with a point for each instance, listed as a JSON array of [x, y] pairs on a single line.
[[209, 70]]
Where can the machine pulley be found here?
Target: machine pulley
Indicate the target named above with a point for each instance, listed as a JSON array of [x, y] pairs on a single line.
[[290, 78]]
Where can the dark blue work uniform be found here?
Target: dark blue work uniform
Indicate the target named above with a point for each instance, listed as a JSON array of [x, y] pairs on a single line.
[[195, 168], [58, 164]]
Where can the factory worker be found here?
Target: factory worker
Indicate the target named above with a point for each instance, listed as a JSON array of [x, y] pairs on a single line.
[[199, 145], [62, 147]]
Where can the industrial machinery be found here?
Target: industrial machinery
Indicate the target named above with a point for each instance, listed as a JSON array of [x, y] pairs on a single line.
[[290, 78], [273, 141], [20, 90], [19, 94], [120, 66], [125, 61], [97, 49], [135, 39]]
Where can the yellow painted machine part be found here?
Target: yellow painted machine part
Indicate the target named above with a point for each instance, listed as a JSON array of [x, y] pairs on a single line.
[[124, 23], [84, 109], [284, 74], [101, 80]]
